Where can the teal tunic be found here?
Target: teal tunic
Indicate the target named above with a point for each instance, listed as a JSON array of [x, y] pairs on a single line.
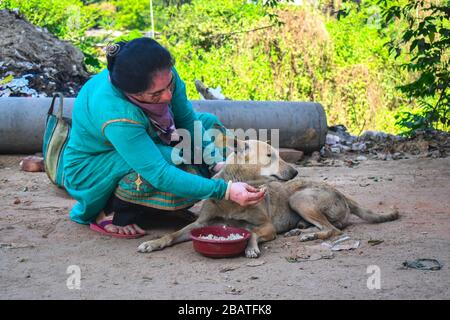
[[112, 137]]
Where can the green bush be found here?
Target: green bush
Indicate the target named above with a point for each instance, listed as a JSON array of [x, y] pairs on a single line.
[[132, 14], [340, 63], [423, 41]]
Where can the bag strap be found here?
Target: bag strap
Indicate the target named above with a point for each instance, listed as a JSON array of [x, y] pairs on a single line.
[[60, 109]]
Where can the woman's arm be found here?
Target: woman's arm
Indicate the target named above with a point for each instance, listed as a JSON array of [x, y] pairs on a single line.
[[135, 146]]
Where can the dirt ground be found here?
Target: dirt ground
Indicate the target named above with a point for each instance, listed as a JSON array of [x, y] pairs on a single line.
[[38, 243]]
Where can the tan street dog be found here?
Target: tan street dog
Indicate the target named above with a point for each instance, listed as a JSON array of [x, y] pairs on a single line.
[[289, 203]]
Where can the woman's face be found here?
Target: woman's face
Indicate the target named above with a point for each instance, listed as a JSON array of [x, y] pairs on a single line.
[[161, 89]]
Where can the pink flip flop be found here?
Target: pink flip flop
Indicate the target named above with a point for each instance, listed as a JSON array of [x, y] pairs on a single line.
[[101, 229]]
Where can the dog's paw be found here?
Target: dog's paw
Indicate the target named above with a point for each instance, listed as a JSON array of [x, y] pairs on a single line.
[[150, 246], [308, 237], [293, 232], [252, 253]]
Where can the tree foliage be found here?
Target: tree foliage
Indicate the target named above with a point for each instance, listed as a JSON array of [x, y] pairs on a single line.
[[331, 52], [425, 39]]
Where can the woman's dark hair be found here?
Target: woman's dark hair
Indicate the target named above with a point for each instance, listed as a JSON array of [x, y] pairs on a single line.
[[132, 65]]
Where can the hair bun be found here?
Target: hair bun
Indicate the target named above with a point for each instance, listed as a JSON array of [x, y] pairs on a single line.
[[112, 49]]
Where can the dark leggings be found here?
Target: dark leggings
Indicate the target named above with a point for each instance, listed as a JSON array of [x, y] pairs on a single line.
[[126, 213]]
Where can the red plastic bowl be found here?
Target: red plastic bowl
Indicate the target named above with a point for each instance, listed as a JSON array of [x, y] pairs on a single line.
[[219, 248]]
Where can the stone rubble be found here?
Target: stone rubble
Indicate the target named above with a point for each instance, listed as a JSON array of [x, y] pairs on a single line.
[[34, 63], [377, 145]]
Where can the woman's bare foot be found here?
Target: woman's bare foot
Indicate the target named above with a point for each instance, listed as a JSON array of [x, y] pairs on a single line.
[[129, 229]]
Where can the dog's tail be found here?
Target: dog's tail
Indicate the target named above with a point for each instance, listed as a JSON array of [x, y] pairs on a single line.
[[369, 215]]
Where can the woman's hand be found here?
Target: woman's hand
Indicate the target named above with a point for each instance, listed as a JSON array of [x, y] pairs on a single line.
[[245, 194]]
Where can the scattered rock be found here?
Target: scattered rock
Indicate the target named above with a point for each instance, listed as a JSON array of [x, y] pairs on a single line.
[[335, 149], [309, 253], [359, 146], [51, 229], [16, 245], [345, 148], [351, 163], [384, 146], [32, 164], [228, 268], [255, 263], [377, 136], [397, 155], [290, 155], [326, 152], [331, 139], [234, 291], [341, 132], [434, 154], [382, 156], [315, 156], [364, 185]]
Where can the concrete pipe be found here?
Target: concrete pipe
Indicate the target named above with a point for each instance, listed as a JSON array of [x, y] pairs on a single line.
[[302, 125]]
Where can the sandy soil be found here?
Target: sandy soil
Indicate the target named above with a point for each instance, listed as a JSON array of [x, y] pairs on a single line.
[[39, 243]]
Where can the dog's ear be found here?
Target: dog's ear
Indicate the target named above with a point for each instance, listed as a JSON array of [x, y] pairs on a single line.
[[243, 150], [221, 139], [236, 145], [230, 141], [242, 146]]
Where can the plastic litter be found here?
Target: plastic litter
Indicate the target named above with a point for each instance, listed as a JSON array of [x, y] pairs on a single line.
[[423, 264]]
